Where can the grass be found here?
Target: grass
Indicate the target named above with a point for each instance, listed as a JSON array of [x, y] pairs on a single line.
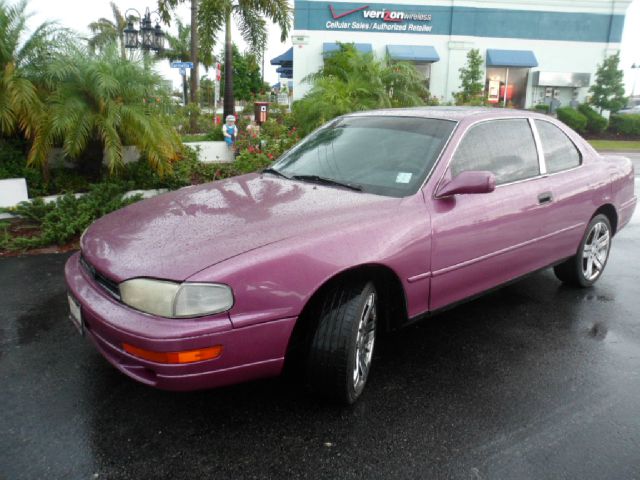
[[616, 145]]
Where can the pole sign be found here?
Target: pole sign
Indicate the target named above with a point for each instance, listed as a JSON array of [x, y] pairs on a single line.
[[181, 65]]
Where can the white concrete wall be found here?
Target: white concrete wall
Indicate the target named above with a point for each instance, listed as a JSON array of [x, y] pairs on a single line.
[[208, 152], [57, 158], [212, 152], [12, 192]]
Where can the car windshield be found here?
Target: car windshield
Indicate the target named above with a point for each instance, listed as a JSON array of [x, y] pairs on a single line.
[[383, 155]]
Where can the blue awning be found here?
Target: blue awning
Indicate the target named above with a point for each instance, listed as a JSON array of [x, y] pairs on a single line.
[[511, 58], [334, 47], [285, 59], [413, 53], [285, 72]]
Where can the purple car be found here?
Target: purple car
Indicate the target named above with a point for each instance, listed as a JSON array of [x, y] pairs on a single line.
[[375, 220]]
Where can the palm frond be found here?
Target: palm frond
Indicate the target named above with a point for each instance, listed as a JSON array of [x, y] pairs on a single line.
[[253, 27]]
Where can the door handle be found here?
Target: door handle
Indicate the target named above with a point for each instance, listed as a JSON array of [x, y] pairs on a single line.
[[545, 197]]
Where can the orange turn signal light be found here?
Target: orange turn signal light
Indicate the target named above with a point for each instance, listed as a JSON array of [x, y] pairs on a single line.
[[188, 356]]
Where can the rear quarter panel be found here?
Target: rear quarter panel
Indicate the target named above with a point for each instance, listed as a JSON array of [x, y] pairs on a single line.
[[622, 175]]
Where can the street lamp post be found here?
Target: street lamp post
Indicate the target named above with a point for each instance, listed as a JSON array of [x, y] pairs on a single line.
[[147, 37]]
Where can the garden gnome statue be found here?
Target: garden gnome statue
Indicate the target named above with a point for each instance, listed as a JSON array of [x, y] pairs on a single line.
[[230, 131]]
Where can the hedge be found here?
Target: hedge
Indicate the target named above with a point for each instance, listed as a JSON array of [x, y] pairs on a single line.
[[596, 123], [573, 118], [542, 108], [628, 125]]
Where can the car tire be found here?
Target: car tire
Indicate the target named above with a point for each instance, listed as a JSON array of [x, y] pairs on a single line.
[[341, 349], [586, 266]]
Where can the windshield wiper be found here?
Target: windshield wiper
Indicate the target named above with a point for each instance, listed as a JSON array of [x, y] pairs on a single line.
[[275, 172], [327, 181]]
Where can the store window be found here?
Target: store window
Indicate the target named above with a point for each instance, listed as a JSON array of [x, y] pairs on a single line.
[[507, 82], [504, 147], [559, 152], [424, 68]]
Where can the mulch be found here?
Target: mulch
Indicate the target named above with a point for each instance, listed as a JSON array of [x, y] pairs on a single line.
[[19, 227]]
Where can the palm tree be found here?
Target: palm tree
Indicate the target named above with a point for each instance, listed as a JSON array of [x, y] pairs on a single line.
[[98, 104], [351, 80], [107, 31], [179, 50], [251, 15], [22, 57]]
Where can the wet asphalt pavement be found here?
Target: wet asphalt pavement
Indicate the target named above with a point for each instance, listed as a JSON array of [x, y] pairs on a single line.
[[535, 381]]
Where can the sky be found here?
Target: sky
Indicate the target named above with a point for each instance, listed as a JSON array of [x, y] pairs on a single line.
[[78, 14]]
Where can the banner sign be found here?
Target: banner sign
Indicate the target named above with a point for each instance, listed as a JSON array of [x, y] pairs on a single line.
[[435, 18], [368, 18]]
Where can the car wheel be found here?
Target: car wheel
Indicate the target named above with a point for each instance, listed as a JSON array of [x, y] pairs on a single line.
[[586, 267], [341, 350]]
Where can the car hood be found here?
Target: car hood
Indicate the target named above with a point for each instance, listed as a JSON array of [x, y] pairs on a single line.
[[175, 235]]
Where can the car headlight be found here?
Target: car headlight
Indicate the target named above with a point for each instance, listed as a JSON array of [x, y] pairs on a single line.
[[176, 300]]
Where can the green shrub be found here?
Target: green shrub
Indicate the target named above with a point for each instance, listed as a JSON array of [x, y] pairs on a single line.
[[216, 134], [541, 108], [572, 118], [182, 119], [248, 162], [67, 217], [13, 164], [628, 125], [278, 112], [596, 123]]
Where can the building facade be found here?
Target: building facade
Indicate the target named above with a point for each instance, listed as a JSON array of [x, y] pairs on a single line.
[[534, 51]]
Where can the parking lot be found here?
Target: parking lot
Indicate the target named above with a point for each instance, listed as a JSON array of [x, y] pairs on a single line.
[[536, 380]]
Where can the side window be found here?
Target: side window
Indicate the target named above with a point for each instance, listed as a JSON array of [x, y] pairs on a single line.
[[504, 147], [559, 152]]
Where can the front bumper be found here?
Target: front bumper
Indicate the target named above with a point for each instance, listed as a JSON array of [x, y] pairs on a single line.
[[248, 353]]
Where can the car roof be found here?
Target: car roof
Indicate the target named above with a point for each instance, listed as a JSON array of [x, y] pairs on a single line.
[[445, 113]]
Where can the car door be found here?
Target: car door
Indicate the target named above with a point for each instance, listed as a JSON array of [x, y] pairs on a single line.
[[576, 188], [480, 241]]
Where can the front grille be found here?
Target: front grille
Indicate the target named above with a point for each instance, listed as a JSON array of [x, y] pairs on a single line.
[[108, 285]]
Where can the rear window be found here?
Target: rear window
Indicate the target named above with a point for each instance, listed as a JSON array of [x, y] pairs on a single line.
[[559, 151]]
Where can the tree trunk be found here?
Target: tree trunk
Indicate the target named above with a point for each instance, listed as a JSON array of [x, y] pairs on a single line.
[[90, 161], [185, 95], [229, 100], [123, 50], [194, 50]]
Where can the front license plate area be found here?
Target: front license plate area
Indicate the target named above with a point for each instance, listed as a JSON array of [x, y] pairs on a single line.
[[75, 314]]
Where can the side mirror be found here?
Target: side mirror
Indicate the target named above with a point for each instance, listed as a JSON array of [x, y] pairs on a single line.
[[468, 183]]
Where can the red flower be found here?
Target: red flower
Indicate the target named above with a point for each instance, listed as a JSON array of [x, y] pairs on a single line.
[[270, 156]]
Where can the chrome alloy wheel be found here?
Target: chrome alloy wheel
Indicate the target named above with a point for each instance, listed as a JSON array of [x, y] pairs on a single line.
[[364, 342], [595, 251]]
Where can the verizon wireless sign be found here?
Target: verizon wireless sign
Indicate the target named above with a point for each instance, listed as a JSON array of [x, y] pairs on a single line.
[[378, 19]]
